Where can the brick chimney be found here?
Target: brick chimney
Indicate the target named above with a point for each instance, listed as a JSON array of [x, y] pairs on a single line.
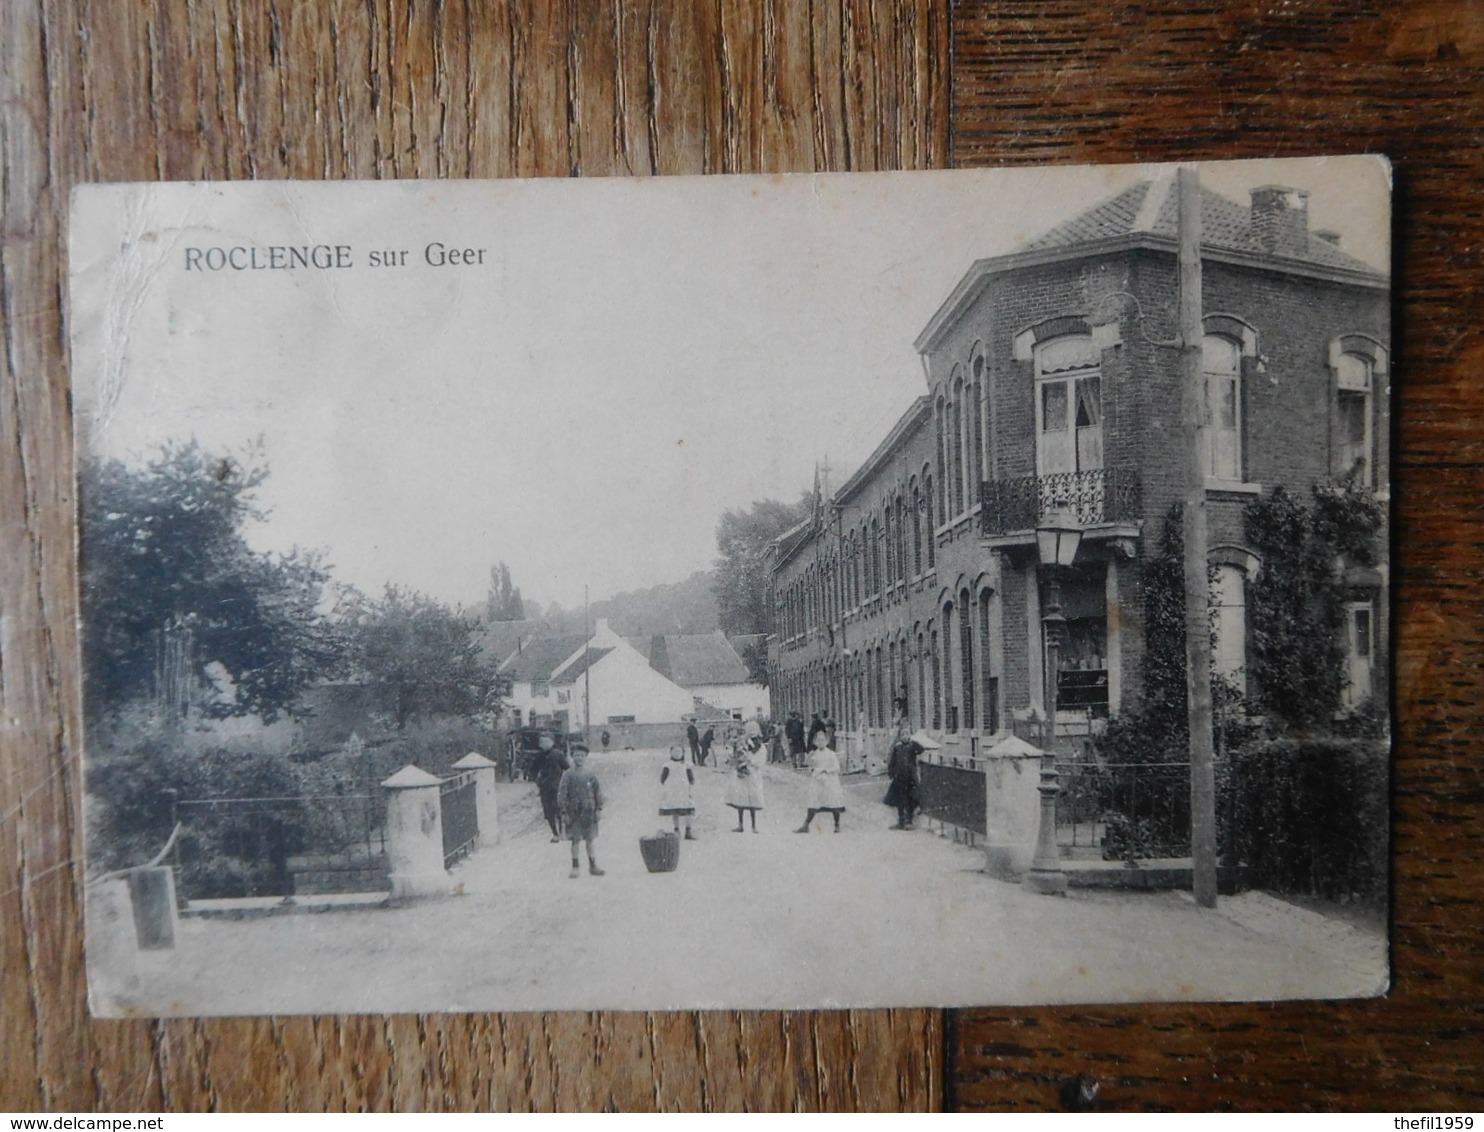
[[1280, 219]]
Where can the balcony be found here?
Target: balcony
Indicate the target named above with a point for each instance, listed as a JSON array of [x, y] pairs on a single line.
[[1107, 495]]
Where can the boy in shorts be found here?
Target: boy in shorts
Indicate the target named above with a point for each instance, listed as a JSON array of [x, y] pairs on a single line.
[[580, 800]]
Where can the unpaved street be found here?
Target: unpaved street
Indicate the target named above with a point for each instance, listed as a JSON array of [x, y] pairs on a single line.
[[866, 917]]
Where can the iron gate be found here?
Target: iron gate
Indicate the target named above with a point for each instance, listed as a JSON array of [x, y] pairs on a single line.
[[460, 816]]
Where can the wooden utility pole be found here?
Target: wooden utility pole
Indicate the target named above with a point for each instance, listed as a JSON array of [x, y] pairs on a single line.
[[1194, 410], [587, 672]]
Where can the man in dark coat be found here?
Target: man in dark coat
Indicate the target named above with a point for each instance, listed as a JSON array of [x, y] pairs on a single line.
[[547, 769], [693, 737], [816, 725], [793, 730], [706, 741], [901, 766]]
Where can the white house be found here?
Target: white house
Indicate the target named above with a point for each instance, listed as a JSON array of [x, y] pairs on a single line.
[[708, 667], [551, 679], [623, 685], [530, 670]]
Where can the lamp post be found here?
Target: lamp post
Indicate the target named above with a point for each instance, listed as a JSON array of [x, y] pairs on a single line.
[[1058, 536]]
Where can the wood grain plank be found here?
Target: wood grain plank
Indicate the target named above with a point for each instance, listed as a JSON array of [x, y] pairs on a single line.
[[245, 89], [1071, 81]]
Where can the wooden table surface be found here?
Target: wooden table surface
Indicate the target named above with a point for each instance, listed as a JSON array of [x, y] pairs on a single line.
[[140, 90]]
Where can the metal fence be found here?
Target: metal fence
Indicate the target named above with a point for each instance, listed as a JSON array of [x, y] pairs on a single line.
[[460, 816], [280, 846], [1124, 811], [1103, 495], [953, 795]]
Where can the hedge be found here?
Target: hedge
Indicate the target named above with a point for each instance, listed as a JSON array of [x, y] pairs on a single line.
[[1310, 816]]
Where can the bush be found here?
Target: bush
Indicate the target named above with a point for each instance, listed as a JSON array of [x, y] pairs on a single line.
[[135, 763], [1310, 816]]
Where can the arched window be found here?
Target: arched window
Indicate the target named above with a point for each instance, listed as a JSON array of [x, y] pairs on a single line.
[[922, 712], [875, 558], [989, 708], [966, 657], [1229, 601], [903, 573], [976, 435], [1354, 450], [916, 528], [1221, 363], [935, 665], [888, 519], [1069, 405], [931, 523], [956, 436], [880, 688], [891, 685], [950, 714], [942, 505], [979, 372]]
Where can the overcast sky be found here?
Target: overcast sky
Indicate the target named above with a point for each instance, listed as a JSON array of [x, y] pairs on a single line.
[[632, 358]]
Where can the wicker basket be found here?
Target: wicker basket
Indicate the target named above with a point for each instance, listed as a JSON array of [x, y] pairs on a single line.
[[661, 852]]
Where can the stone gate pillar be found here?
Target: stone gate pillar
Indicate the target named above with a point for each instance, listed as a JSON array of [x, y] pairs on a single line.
[[484, 797], [1012, 806], [414, 835]]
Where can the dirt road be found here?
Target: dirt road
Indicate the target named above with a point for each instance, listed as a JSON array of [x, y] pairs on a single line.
[[866, 917]]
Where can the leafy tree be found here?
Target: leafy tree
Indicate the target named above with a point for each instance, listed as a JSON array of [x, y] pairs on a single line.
[[741, 582], [504, 601], [686, 606], [420, 658], [753, 650], [168, 576], [1295, 615], [1297, 607]]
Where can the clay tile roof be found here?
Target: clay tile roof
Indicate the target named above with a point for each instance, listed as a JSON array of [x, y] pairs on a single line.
[[1152, 206], [539, 658], [689, 659], [499, 639], [791, 539], [1113, 217], [575, 670]]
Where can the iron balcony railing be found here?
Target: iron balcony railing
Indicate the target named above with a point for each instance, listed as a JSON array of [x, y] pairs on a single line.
[[1106, 495]]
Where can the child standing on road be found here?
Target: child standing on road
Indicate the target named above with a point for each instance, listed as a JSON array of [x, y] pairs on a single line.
[[826, 795], [745, 793], [676, 782], [580, 799]]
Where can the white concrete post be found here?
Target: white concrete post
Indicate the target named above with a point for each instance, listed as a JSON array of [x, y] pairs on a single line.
[[414, 835], [152, 895], [1012, 806], [112, 942], [484, 797]]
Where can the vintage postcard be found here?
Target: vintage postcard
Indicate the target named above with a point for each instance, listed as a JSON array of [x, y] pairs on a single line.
[[919, 589]]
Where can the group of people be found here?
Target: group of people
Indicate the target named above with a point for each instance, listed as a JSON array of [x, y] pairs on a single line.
[[572, 797], [745, 792], [800, 736], [700, 743]]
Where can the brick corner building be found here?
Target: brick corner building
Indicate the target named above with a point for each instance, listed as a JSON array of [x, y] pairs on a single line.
[[915, 588]]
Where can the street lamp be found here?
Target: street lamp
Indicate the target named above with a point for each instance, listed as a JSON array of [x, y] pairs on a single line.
[[1058, 536]]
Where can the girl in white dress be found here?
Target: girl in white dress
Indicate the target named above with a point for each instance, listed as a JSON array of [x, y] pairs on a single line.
[[826, 795], [676, 783], [745, 791]]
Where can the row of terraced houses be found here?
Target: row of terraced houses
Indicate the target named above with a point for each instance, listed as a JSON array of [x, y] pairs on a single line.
[[915, 587]]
